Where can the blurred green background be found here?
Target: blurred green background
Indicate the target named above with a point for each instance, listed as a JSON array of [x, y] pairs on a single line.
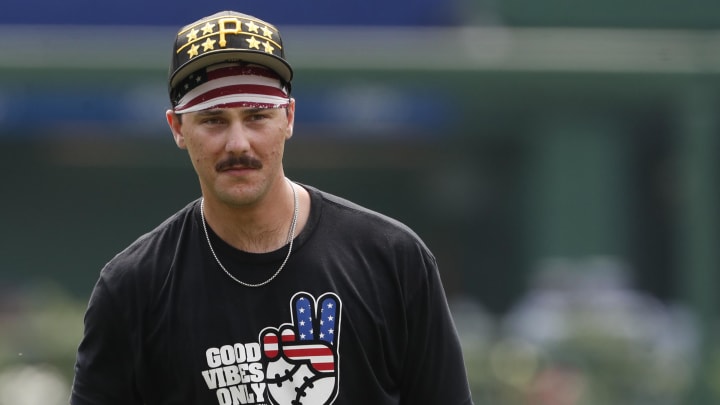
[[559, 158]]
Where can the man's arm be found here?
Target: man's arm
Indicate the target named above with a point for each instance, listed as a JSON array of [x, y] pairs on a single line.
[[434, 370], [104, 371]]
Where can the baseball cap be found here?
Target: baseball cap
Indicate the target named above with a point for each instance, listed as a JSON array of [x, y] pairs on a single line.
[[227, 36]]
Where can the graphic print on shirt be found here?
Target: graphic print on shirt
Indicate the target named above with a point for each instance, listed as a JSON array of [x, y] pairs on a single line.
[[295, 363], [303, 361]]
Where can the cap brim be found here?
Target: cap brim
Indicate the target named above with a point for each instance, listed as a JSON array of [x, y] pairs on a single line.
[[210, 58]]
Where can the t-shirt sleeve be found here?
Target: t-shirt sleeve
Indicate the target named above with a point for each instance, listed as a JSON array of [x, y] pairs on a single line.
[[104, 365], [434, 370]]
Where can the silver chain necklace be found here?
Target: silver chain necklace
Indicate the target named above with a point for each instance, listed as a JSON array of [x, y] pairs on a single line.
[[291, 235]]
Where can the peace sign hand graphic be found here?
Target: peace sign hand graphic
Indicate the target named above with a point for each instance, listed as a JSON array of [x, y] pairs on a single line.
[[302, 356]]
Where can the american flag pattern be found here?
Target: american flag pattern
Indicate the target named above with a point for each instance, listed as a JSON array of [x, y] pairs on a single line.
[[313, 335], [231, 85], [315, 325]]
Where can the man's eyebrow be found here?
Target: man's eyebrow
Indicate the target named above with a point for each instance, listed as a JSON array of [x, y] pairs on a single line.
[[255, 110], [211, 112]]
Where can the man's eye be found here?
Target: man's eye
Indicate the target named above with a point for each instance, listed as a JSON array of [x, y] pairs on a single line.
[[211, 121]]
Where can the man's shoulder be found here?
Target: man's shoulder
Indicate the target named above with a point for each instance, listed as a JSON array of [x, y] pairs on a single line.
[[154, 249], [359, 218]]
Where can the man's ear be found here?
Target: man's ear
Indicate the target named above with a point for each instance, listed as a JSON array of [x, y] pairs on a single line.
[[175, 122], [290, 110]]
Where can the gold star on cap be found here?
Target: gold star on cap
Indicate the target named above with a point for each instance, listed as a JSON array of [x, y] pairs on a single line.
[[193, 51], [207, 28], [209, 44], [268, 48], [252, 27], [192, 35], [253, 43], [267, 32]]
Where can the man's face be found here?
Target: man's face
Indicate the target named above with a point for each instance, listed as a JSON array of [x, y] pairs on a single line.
[[236, 152]]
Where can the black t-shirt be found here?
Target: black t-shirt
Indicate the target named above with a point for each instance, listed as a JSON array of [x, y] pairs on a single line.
[[357, 316]]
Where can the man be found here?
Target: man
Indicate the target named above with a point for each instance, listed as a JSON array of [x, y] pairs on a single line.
[[263, 291]]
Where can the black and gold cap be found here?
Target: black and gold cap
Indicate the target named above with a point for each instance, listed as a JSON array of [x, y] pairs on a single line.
[[227, 36]]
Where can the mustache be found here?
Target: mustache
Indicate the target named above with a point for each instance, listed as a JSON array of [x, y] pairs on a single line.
[[242, 161]]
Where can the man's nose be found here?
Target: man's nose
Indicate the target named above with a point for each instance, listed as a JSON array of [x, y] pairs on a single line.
[[237, 140]]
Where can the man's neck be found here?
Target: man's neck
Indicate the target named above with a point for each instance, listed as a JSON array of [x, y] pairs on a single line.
[[259, 228]]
